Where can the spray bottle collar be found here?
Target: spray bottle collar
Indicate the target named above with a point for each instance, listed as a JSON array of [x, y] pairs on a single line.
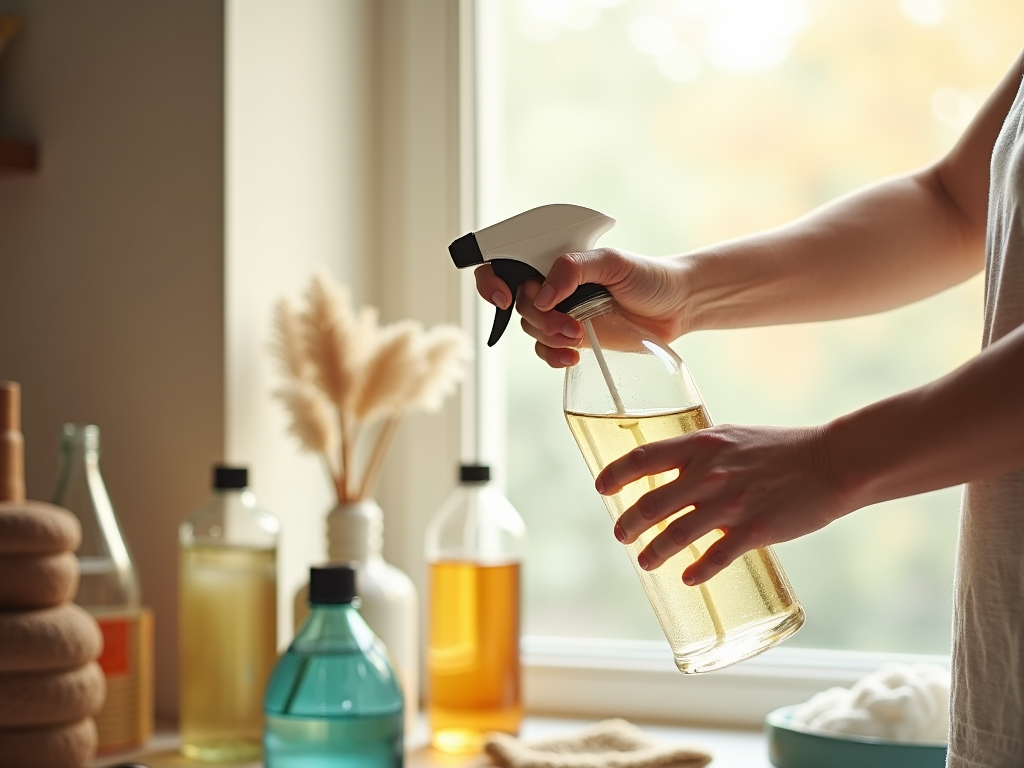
[[588, 300]]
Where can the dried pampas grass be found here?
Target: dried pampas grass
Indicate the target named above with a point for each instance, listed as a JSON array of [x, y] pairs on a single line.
[[286, 343], [390, 373], [347, 379], [446, 351]]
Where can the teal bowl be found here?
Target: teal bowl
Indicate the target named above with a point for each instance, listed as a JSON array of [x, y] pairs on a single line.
[[790, 745]]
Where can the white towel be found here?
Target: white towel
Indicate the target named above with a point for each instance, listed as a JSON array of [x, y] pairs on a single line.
[[898, 702]]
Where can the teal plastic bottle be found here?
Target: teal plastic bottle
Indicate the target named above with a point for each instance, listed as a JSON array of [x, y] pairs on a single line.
[[333, 700]]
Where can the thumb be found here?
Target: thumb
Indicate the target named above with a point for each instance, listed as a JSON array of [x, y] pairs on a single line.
[[604, 266]]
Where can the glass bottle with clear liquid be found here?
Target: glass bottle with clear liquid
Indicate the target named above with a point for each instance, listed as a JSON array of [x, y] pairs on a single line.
[[630, 389], [333, 700], [228, 620], [474, 549], [109, 589]]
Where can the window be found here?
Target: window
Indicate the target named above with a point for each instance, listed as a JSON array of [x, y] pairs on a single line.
[[692, 121]]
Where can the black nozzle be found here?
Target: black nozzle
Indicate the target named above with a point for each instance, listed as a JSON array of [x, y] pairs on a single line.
[[230, 478], [332, 584], [466, 252], [474, 473]]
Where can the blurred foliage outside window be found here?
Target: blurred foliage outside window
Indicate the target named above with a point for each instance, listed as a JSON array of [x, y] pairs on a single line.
[[693, 121]]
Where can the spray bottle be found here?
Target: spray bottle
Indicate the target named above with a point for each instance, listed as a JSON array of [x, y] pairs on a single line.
[[628, 389]]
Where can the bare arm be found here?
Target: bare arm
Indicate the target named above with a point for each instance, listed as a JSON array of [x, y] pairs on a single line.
[[878, 248], [886, 245], [968, 425]]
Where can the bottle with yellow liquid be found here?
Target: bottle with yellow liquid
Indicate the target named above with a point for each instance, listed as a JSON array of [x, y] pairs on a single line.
[[629, 389], [474, 549], [228, 621]]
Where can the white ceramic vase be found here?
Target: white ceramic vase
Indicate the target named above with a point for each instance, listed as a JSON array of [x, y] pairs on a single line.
[[355, 534]]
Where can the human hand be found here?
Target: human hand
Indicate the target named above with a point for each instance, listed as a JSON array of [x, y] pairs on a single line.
[[757, 485], [650, 292]]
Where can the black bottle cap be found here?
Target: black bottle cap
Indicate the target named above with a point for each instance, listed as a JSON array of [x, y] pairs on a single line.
[[332, 584], [227, 478], [474, 473]]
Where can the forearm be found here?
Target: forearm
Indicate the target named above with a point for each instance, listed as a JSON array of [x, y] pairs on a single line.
[[968, 425], [881, 247], [884, 246]]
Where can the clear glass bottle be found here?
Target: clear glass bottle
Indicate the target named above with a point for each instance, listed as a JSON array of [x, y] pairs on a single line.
[[109, 589], [474, 549], [333, 698], [629, 389], [228, 620]]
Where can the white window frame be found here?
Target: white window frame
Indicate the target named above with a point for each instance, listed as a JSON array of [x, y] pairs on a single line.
[[432, 181]]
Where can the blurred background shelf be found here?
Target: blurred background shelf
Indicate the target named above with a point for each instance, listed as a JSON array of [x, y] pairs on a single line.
[[18, 156]]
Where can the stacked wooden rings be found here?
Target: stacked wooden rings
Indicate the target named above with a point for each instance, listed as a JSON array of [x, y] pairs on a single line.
[[50, 683]]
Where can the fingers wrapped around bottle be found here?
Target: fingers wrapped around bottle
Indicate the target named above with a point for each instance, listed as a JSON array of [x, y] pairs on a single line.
[[755, 486], [556, 333]]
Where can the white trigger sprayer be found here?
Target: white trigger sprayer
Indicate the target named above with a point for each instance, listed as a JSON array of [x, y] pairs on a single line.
[[526, 246]]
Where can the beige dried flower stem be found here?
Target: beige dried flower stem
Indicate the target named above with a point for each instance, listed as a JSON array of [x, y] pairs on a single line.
[[329, 335], [443, 352], [287, 345], [344, 373], [446, 350], [391, 372], [377, 455], [310, 422]]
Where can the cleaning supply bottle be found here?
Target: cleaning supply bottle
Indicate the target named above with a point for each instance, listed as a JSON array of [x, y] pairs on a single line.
[[109, 589], [628, 389], [228, 620], [333, 698], [474, 548]]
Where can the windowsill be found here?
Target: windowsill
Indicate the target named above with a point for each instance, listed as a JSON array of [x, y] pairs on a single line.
[[731, 748]]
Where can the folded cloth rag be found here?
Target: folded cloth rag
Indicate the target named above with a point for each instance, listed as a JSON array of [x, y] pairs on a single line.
[[608, 744]]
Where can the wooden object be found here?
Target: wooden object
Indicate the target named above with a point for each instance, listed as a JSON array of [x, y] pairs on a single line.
[[50, 639], [50, 683], [18, 156], [68, 745], [12, 444]]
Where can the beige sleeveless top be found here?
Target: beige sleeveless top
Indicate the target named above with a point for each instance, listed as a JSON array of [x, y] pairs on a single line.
[[987, 707]]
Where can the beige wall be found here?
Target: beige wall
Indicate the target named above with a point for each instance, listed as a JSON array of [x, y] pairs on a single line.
[[200, 159], [111, 273], [425, 196], [345, 150], [300, 196]]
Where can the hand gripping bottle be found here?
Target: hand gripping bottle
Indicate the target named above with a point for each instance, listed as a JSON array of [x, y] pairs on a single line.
[[628, 389]]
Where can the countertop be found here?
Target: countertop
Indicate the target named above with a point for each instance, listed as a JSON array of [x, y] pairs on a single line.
[[731, 748]]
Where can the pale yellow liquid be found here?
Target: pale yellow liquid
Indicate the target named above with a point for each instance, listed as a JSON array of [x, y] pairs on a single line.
[[228, 648], [745, 609], [473, 655]]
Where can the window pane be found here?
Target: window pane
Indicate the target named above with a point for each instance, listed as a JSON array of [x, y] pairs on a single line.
[[697, 120]]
